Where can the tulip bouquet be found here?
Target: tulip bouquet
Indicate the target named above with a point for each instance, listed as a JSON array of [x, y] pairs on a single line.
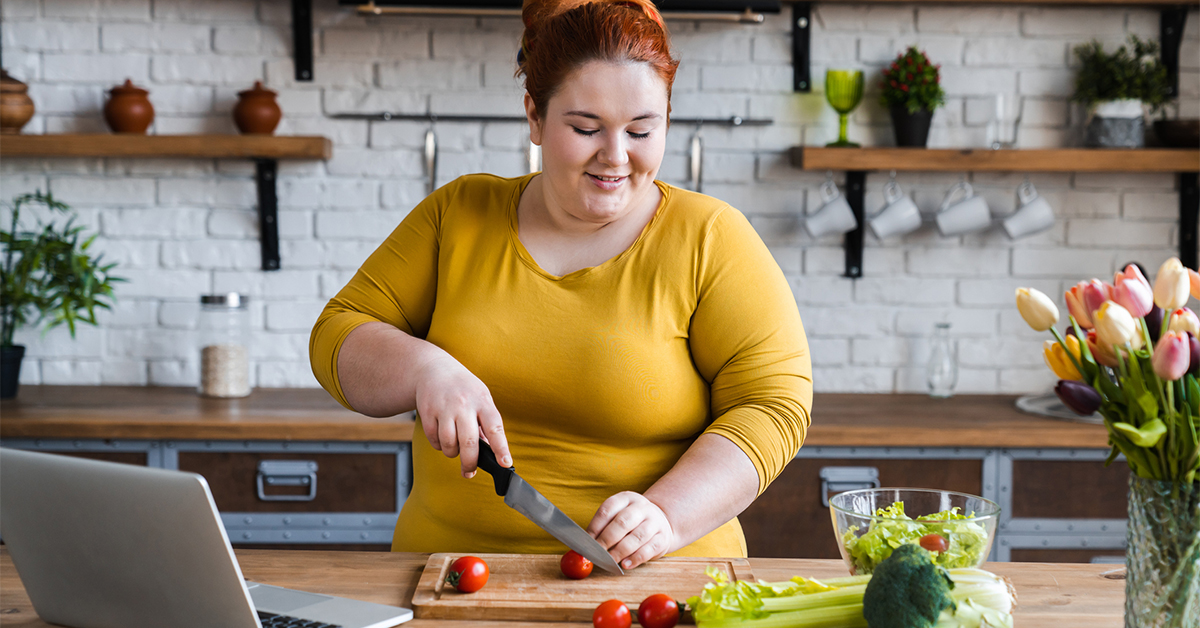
[[1131, 353]]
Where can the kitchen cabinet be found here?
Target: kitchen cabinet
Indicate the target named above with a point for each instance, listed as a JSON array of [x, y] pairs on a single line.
[[1059, 502]]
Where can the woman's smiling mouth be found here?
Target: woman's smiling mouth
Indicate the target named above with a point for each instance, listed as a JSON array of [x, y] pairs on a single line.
[[607, 183]]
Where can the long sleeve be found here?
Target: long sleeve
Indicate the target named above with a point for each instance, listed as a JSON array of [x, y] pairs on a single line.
[[748, 341]]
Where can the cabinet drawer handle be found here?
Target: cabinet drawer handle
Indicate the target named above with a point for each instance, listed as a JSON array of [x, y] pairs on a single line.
[[840, 479], [287, 473]]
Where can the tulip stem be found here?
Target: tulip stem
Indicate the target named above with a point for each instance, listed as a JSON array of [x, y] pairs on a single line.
[[1063, 343]]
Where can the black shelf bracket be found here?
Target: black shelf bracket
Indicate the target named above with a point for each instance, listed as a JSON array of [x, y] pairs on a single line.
[[268, 212], [1189, 219], [801, 50], [856, 184], [1170, 30], [302, 39]]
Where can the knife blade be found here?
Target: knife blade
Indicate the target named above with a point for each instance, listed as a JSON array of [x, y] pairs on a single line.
[[525, 499]]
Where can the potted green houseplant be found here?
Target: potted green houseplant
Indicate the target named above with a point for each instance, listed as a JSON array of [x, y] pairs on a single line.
[[47, 276], [1116, 87], [912, 90]]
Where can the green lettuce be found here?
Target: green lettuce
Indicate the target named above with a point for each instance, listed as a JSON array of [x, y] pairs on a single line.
[[968, 540]]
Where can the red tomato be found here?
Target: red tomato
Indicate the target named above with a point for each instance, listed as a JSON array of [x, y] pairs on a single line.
[[468, 574], [934, 543], [658, 611], [612, 614], [575, 566]]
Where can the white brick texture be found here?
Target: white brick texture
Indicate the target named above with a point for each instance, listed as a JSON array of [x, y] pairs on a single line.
[[181, 228]]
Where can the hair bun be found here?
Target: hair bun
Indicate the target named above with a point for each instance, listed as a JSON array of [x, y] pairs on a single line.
[[536, 12]]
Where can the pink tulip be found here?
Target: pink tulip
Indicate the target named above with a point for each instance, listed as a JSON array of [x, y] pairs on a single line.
[[1133, 292], [1075, 306], [1095, 293], [1172, 356]]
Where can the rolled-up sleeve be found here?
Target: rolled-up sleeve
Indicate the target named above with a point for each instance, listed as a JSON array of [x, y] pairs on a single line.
[[749, 344], [396, 285]]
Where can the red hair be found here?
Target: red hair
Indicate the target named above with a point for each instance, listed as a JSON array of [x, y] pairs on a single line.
[[563, 35]]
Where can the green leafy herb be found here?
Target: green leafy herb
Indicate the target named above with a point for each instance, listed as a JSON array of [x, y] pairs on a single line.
[[912, 81], [1137, 74], [968, 540]]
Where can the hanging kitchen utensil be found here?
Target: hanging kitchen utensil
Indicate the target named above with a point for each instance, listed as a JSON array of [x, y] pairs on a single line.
[[697, 161], [523, 498], [431, 160]]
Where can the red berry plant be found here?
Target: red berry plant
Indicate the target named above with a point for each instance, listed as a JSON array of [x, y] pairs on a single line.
[[912, 82]]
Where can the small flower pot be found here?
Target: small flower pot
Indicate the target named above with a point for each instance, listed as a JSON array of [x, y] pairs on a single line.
[[912, 129], [128, 109], [1116, 124], [10, 370]]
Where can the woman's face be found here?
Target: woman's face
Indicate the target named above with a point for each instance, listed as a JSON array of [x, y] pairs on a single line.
[[602, 140]]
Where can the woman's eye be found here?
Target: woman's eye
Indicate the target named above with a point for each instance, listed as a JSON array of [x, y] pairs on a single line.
[[639, 136], [585, 133]]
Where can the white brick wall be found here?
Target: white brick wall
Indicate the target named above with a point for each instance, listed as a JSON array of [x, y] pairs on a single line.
[[181, 228]]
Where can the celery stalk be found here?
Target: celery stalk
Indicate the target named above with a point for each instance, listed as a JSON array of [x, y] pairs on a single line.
[[837, 597], [848, 616]]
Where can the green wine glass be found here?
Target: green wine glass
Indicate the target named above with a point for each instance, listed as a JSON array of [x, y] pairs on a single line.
[[843, 90]]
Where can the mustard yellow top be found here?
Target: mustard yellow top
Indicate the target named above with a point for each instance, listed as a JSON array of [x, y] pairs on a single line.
[[604, 377]]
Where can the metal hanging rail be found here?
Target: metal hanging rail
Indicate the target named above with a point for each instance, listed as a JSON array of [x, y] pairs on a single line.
[[745, 17], [383, 116]]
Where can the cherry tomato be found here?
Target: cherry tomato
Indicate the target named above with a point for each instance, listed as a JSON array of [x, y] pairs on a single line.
[[575, 566], [468, 574], [612, 614], [658, 611], [934, 543]]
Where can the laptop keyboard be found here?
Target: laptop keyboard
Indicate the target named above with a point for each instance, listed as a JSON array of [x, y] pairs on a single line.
[[271, 620]]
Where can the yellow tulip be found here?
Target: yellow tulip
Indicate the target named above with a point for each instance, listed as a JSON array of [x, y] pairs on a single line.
[[1036, 308], [1171, 285], [1059, 362]]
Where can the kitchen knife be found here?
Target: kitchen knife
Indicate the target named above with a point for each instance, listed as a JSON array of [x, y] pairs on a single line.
[[523, 498]]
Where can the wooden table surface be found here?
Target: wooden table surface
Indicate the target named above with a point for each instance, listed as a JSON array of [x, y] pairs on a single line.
[[1048, 595], [862, 420]]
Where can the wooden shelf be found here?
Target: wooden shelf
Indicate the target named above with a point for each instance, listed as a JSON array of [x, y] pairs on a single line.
[[985, 160], [167, 146]]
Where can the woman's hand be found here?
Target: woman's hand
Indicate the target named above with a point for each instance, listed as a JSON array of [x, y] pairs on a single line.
[[455, 408], [634, 529]]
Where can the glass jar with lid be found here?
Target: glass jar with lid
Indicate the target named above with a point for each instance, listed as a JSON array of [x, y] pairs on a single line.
[[224, 330]]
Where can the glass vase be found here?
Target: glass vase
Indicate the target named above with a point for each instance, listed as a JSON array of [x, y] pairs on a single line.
[[941, 373], [1162, 586]]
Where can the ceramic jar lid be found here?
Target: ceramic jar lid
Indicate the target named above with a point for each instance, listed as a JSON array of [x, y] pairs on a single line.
[[10, 85], [128, 89], [257, 91]]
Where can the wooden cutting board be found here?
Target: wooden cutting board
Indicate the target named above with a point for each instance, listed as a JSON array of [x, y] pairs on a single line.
[[531, 587]]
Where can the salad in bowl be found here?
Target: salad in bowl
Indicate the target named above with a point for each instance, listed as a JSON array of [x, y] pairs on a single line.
[[956, 528]]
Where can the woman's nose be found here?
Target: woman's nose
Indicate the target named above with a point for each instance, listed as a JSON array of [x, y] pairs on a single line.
[[615, 151]]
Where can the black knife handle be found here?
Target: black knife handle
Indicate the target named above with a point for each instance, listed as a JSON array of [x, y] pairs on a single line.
[[500, 475]]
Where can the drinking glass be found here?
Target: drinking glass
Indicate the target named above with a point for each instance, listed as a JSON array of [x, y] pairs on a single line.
[[1006, 117], [843, 90]]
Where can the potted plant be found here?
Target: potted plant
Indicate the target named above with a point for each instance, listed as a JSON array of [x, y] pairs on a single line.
[[48, 277], [1130, 353], [1116, 88], [912, 90]]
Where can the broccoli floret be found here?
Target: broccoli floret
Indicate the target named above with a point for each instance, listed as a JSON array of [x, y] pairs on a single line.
[[907, 591]]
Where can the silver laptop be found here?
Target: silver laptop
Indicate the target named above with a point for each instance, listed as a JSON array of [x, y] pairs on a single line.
[[106, 545]]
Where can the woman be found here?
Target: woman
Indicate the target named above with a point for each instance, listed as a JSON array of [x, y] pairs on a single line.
[[625, 343]]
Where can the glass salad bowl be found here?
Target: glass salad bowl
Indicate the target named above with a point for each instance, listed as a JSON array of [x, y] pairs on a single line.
[[956, 528]]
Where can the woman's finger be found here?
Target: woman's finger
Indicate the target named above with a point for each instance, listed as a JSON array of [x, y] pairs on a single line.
[[605, 513], [448, 435], [429, 425], [468, 443], [632, 541], [493, 429], [651, 549], [619, 527]]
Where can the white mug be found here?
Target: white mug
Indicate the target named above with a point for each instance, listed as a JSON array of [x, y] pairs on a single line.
[[899, 214], [834, 216], [967, 215], [1034, 215]]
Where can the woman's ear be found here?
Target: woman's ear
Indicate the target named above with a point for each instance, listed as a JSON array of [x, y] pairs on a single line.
[[535, 123]]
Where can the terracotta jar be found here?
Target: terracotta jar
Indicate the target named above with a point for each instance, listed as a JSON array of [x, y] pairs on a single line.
[[256, 112], [128, 110], [16, 107]]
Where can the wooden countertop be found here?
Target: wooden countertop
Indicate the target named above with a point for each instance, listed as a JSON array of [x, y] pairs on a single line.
[[1048, 595], [843, 420]]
